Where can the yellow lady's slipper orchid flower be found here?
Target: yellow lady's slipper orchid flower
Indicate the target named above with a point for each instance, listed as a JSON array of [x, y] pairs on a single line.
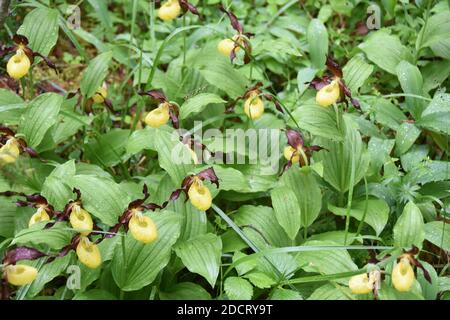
[[142, 228], [328, 94], [158, 116], [81, 220], [254, 107], [199, 195], [169, 10], [360, 284], [88, 253], [20, 275], [9, 152], [18, 65], [403, 275], [40, 215]]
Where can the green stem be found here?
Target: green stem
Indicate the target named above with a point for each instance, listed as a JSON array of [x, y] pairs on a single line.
[[350, 195], [366, 206]]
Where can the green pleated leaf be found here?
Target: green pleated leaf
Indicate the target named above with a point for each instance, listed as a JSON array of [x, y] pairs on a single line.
[[285, 294], [356, 72], [326, 261], [388, 55], [436, 116], [438, 233], [107, 150], [173, 156], [197, 103], [7, 217], [262, 219], [55, 190], [318, 120], [287, 210], [139, 264], [185, 291], [317, 37], [141, 139], [101, 197], [307, 191], [41, 114], [330, 292], [409, 229], [407, 134], [202, 255], [376, 216], [47, 273], [11, 107], [436, 34], [40, 26], [55, 238], [238, 288], [337, 159], [411, 82], [94, 74], [304, 76]]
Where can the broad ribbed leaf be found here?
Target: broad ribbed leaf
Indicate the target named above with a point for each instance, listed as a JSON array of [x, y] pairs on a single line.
[[202, 255], [197, 103], [356, 72], [330, 292], [411, 82], [376, 216], [409, 229], [107, 150], [41, 114], [11, 106], [287, 210], [55, 190], [55, 238], [185, 291], [40, 26], [7, 217], [337, 158], [385, 50], [173, 156], [318, 120], [436, 116], [101, 197], [317, 37], [94, 74], [238, 288], [139, 264], [304, 185], [438, 233]]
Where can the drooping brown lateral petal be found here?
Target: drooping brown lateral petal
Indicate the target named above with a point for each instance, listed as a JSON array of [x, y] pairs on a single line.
[[209, 174], [46, 60], [6, 50], [295, 138], [22, 253], [233, 19], [174, 118], [31, 152], [334, 67], [186, 6], [155, 94], [348, 94], [275, 102]]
